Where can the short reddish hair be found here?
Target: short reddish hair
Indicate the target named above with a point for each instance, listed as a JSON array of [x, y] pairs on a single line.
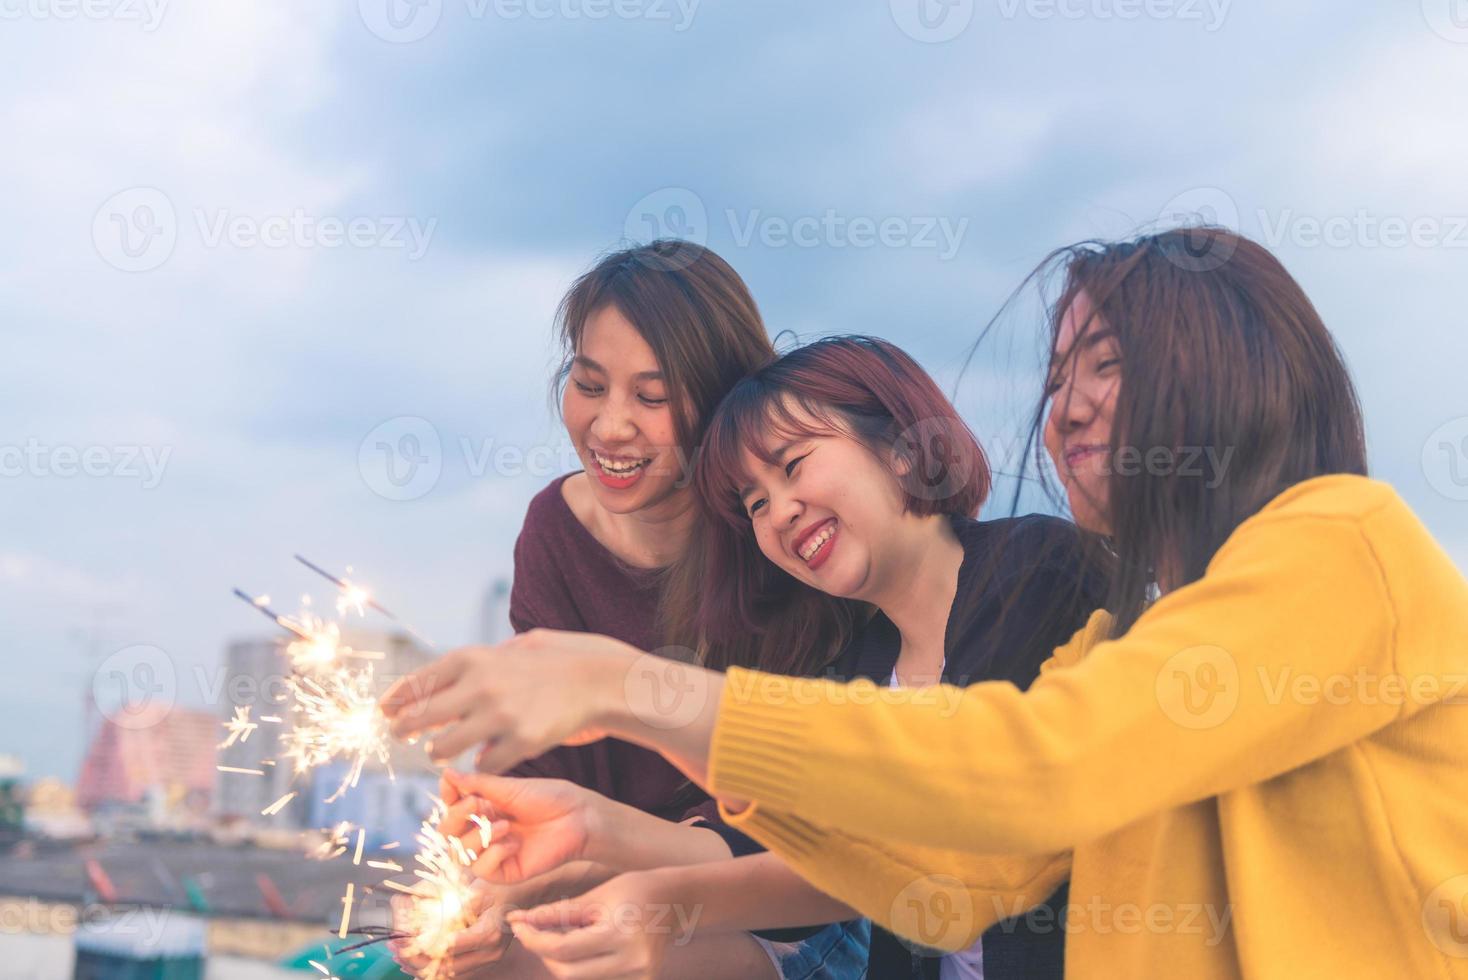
[[862, 386]]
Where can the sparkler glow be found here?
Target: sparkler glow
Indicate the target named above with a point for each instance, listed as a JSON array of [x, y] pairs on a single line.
[[239, 727], [441, 905]]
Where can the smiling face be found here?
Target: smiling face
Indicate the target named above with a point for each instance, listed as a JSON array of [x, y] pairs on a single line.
[[1085, 375], [827, 511], [618, 412]]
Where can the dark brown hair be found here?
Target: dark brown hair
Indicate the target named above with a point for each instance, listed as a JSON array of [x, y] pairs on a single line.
[[692, 309], [1220, 350]]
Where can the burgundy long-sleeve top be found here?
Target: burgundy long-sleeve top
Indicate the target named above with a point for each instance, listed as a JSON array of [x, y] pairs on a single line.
[[567, 580]]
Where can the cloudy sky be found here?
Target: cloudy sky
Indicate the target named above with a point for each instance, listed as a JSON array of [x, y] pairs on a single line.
[[257, 252]]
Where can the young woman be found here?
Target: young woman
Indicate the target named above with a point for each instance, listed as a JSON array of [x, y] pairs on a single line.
[[1264, 721], [652, 338], [841, 470]]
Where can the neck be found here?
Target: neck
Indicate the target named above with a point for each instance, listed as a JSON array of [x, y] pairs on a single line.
[[923, 585], [655, 536]]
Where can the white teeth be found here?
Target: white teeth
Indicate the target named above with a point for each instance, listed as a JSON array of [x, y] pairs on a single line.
[[814, 544], [619, 467]]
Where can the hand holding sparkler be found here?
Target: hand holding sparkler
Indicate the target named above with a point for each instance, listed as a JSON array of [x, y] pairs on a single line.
[[541, 689]]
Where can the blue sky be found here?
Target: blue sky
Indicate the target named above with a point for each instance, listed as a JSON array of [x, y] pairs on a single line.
[[349, 227]]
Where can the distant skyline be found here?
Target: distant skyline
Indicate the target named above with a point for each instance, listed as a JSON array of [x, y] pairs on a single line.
[[280, 278]]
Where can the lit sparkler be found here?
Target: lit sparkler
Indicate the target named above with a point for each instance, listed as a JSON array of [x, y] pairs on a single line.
[[337, 717], [441, 905]]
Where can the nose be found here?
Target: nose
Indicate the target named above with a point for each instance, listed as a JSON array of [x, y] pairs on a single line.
[[613, 423], [785, 510], [1072, 409]]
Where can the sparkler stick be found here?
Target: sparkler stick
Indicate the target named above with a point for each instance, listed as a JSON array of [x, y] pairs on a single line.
[[352, 594], [262, 604]]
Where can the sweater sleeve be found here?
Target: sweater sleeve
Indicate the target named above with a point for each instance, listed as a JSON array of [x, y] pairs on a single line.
[[1198, 698], [942, 899]]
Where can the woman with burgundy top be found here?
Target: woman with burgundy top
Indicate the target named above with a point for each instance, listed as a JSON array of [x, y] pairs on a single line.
[[653, 337]]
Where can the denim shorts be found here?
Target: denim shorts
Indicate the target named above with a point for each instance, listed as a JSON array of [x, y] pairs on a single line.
[[837, 952]]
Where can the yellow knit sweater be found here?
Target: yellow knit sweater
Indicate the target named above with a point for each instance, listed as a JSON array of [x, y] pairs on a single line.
[[1267, 776]]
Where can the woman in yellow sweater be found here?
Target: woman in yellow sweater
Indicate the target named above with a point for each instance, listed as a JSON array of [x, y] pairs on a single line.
[[1256, 764]]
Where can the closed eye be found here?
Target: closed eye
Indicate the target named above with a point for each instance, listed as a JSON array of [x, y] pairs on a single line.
[[790, 466]]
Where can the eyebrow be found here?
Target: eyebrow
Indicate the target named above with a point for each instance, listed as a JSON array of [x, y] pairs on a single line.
[[591, 365], [1091, 339]]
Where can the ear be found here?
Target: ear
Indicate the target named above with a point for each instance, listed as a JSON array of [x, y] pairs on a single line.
[[900, 462]]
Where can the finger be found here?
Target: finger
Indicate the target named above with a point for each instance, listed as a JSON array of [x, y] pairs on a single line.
[[442, 706], [567, 947], [407, 691], [568, 913], [504, 754], [459, 817], [448, 788], [465, 732], [491, 865]]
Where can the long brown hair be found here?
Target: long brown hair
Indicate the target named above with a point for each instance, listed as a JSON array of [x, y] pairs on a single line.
[[1221, 351], [705, 330]]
